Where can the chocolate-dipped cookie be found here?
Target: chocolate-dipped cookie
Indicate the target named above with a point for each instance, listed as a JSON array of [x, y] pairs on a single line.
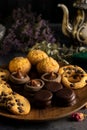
[[51, 77], [53, 86], [34, 85], [65, 97], [18, 77], [43, 98]]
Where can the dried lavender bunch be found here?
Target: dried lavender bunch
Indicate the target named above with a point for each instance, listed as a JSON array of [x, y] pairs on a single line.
[[26, 30]]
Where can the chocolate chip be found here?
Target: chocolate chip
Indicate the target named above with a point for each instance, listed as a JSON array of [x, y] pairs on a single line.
[[3, 93], [17, 100], [14, 93], [72, 85], [20, 109], [19, 104], [68, 72], [78, 71], [65, 76], [8, 85], [2, 76], [75, 76], [10, 104], [81, 72], [9, 98], [82, 75], [64, 69]]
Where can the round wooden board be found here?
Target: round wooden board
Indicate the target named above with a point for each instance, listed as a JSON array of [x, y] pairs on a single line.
[[52, 113]]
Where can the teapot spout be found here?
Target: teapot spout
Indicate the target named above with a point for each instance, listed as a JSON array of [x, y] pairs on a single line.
[[67, 28]]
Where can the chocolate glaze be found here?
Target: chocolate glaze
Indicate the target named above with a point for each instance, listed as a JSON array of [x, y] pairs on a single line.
[[53, 86], [65, 97], [43, 95]]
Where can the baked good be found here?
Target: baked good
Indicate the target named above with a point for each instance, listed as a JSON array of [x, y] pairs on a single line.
[[70, 68], [51, 77], [42, 98], [19, 78], [4, 74], [53, 86], [18, 104], [47, 65], [34, 85], [5, 90], [65, 97], [36, 56], [5, 87], [21, 63], [14, 102], [73, 76], [78, 83]]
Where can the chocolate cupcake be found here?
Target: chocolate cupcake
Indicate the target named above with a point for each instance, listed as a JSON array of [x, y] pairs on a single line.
[[65, 97], [42, 98]]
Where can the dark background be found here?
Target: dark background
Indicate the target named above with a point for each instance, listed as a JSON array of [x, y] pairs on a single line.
[[48, 8]]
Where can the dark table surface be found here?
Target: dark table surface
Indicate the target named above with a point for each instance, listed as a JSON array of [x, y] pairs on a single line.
[[59, 124]]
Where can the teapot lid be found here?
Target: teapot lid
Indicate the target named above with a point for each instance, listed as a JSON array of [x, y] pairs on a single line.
[[81, 4]]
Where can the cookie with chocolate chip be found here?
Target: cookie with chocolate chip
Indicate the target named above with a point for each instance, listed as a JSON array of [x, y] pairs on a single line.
[[5, 90], [5, 87], [4, 74], [18, 104]]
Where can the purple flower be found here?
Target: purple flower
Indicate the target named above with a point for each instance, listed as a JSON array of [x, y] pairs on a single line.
[[27, 29]]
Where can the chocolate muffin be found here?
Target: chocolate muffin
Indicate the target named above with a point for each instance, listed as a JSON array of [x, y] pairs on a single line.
[[42, 98], [65, 97]]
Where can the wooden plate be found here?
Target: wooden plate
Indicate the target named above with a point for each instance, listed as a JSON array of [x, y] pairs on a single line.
[[52, 113]]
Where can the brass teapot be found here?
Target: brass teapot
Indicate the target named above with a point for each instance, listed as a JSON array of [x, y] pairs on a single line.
[[78, 29]]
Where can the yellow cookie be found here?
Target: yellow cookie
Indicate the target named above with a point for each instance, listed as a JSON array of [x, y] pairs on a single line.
[[36, 56], [48, 65], [73, 76], [18, 104], [4, 74], [5, 87], [21, 63]]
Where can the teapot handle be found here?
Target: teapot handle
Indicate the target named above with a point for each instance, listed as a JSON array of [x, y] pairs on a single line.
[[82, 33]]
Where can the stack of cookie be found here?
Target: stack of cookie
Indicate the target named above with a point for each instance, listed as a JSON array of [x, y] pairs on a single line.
[[65, 97]]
